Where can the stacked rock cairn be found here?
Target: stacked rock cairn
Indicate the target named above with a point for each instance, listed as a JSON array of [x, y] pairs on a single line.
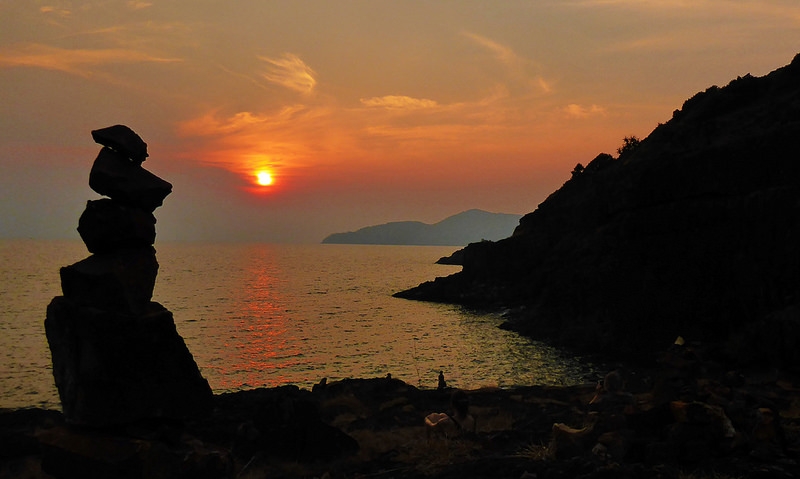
[[117, 356]]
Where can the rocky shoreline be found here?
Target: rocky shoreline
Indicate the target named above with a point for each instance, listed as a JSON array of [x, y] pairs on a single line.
[[691, 418]]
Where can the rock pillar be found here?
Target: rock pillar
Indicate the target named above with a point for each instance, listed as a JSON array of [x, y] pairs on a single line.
[[117, 356]]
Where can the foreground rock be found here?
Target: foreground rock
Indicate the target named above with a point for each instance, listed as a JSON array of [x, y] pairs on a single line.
[[687, 419], [692, 232], [115, 368], [117, 357]]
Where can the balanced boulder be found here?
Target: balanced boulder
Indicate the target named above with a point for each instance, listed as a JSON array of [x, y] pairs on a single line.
[[120, 281], [124, 141], [107, 225], [113, 175]]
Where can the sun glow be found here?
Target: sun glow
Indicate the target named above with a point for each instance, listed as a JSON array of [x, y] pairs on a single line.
[[264, 178]]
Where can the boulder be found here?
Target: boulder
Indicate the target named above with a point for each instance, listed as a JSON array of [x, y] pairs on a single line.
[[107, 225], [568, 441], [120, 281], [113, 368], [123, 140], [283, 423], [71, 452], [68, 454], [113, 175]]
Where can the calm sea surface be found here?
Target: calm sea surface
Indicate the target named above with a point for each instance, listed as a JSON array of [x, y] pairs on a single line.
[[266, 315]]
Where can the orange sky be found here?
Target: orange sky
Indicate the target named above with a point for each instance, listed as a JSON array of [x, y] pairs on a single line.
[[364, 112]]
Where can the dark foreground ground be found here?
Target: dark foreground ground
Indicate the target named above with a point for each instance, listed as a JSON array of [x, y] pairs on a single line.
[[689, 419]]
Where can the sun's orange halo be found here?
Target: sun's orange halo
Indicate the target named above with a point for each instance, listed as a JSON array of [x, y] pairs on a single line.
[[263, 178]]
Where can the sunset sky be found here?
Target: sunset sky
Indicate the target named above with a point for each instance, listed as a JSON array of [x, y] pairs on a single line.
[[362, 112]]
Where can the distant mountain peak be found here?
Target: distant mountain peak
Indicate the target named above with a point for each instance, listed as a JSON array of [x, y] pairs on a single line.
[[458, 230]]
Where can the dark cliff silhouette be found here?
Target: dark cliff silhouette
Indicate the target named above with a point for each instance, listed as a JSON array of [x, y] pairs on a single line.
[[457, 230], [692, 231]]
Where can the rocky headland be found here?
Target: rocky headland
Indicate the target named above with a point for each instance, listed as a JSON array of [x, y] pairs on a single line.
[[692, 231]]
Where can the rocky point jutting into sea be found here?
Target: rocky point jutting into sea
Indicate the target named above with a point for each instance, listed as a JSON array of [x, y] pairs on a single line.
[[693, 232]]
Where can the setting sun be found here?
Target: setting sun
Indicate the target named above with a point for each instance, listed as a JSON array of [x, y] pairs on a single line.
[[264, 178]]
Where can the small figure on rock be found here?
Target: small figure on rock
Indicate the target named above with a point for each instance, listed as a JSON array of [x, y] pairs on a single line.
[[442, 383], [320, 386]]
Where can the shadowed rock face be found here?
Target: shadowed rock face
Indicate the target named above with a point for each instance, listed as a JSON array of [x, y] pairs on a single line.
[[694, 233], [117, 356]]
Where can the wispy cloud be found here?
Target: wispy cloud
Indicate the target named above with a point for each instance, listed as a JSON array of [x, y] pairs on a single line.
[[502, 53], [783, 9], [698, 26], [138, 5], [76, 62], [291, 72], [519, 69], [51, 10], [644, 4], [544, 84], [399, 102], [573, 110], [214, 124]]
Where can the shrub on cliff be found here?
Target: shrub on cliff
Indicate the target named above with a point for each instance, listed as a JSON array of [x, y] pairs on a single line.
[[629, 143]]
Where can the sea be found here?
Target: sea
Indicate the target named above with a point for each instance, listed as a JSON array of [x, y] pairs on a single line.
[[265, 315]]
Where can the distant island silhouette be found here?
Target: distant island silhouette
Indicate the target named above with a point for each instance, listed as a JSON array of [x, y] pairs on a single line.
[[458, 230]]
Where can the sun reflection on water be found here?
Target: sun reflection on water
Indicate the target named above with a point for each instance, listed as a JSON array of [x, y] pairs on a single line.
[[262, 342], [268, 315]]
